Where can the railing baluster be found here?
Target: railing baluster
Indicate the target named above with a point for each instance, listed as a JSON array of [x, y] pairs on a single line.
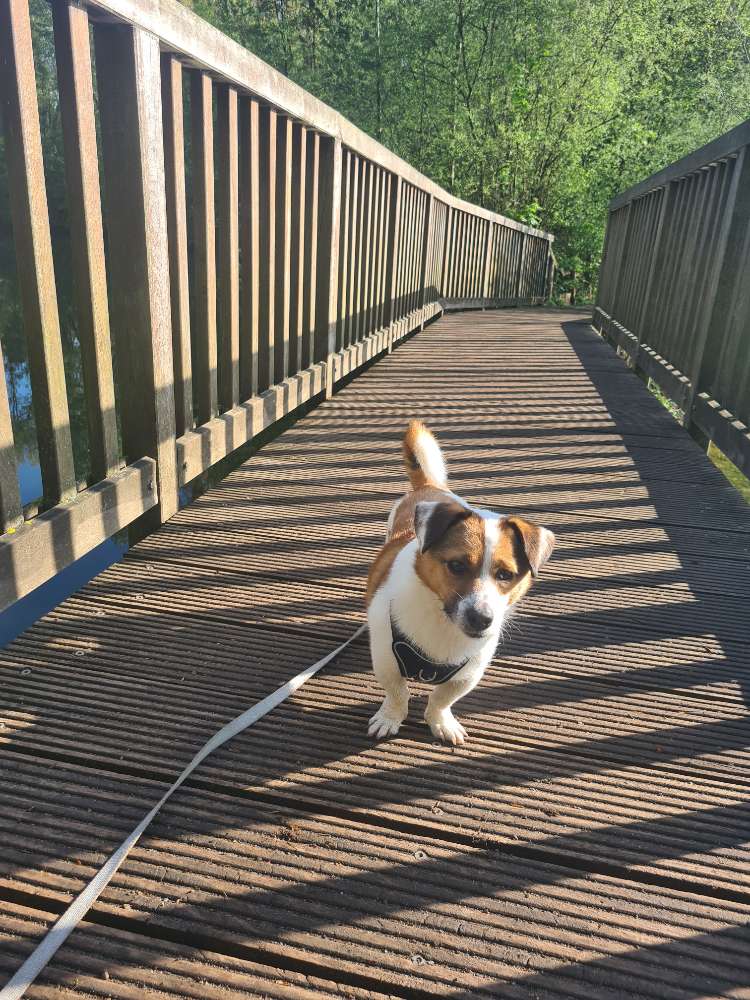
[[267, 276], [328, 254], [350, 263], [371, 294], [309, 304], [129, 79], [297, 265], [249, 234], [205, 375], [227, 256], [359, 251], [36, 275], [282, 280], [344, 229], [392, 250], [174, 168], [364, 301], [387, 209], [426, 249], [416, 247], [445, 263], [74, 74], [521, 250], [487, 255], [374, 255]]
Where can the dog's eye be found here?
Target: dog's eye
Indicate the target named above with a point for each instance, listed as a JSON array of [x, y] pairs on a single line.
[[456, 566], [503, 574]]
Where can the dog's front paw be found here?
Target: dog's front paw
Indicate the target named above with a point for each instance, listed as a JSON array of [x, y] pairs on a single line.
[[446, 727], [386, 722]]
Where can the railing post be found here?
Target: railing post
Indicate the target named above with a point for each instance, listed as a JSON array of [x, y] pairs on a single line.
[[129, 77], [426, 243], [329, 209], [391, 268]]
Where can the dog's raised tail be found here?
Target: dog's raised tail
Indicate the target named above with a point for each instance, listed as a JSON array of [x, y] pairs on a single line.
[[425, 465]]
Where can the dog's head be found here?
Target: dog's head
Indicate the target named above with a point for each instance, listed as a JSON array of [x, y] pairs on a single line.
[[478, 564]]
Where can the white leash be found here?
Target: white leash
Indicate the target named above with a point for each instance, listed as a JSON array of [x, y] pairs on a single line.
[[56, 935]]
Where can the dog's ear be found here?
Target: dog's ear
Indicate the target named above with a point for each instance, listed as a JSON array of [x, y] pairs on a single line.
[[537, 542], [432, 520]]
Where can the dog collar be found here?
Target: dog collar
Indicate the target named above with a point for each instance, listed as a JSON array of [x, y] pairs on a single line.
[[414, 665]]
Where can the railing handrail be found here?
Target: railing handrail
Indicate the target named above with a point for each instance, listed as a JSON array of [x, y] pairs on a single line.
[[206, 47], [717, 149]]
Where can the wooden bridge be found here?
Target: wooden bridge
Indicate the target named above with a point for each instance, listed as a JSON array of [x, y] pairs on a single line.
[[592, 840]]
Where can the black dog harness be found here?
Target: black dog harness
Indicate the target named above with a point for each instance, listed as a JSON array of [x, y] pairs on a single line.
[[415, 666]]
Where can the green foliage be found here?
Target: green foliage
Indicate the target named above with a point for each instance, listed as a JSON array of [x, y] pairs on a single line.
[[540, 109]]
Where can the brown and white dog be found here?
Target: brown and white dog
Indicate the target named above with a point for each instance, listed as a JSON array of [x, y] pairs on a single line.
[[440, 590]]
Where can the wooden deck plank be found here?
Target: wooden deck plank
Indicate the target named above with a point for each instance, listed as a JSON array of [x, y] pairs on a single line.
[[652, 779], [103, 962], [308, 888], [591, 839]]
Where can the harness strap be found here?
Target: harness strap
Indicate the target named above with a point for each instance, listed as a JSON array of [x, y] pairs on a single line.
[[413, 662], [56, 935]]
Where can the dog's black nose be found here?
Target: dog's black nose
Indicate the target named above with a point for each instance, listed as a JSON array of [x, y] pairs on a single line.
[[478, 617]]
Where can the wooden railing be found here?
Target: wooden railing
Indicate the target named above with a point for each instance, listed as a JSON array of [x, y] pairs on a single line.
[[674, 288], [231, 285]]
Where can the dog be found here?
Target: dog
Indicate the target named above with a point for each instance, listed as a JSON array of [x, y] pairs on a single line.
[[441, 589]]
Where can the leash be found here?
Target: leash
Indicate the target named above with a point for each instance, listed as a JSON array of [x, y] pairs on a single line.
[[57, 934]]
